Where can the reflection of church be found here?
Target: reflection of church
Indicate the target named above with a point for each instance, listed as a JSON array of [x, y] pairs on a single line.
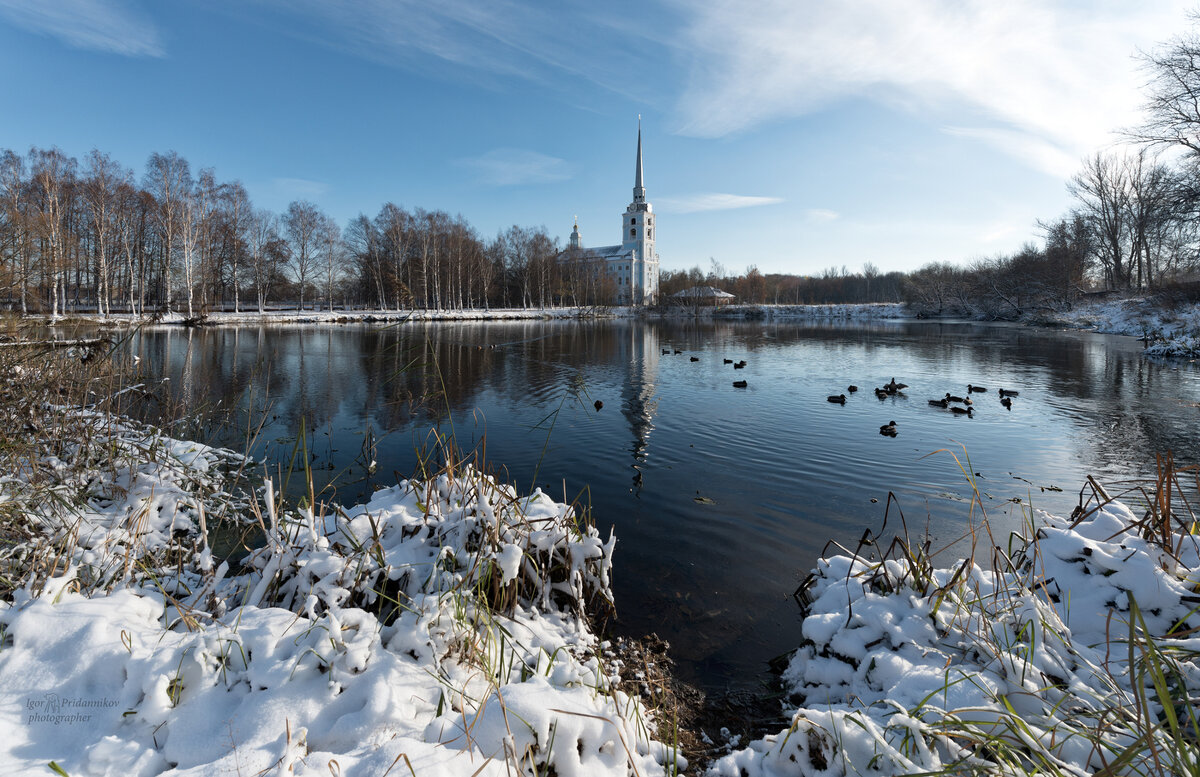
[[632, 265], [639, 351]]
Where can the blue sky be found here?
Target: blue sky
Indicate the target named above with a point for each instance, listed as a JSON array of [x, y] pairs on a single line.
[[794, 135]]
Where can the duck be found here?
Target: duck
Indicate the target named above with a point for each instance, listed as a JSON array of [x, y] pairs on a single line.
[[839, 399], [743, 384], [967, 411], [882, 393], [727, 361], [950, 398], [1006, 402], [666, 352], [979, 389], [888, 429], [943, 402], [852, 389], [677, 351], [740, 365], [893, 387], [695, 358], [598, 405], [1008, 393]]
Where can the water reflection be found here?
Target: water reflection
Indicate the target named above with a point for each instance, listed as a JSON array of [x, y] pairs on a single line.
[[721, 498]]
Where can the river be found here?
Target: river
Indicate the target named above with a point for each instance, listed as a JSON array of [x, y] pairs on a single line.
[[721, 497]]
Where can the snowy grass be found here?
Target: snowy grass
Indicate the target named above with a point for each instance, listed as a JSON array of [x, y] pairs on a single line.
[[1073, 651]]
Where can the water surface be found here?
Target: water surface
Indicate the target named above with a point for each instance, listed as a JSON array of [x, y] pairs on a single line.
[[721, 497]]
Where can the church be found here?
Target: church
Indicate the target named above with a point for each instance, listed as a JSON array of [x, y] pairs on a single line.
[[632, 264]]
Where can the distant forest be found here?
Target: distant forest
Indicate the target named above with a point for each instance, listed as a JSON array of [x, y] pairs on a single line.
[[92, 237]]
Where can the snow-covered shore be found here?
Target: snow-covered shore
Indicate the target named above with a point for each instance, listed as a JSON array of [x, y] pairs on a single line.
[[1169, 330], [440, 629]]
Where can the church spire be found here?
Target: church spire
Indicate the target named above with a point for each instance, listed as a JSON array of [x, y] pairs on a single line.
[[639, 191]]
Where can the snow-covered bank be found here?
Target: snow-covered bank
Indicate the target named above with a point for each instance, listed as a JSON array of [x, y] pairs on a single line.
[[1047, 665], [1170, 330], [440, 628], [283, 317]]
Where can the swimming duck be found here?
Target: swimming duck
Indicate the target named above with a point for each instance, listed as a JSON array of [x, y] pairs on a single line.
[[940, 402], [1008, 392], [971, 388], [743, 384], [839, 399], [893, 387], [695, 358], [852, 389], [1006, 402], [740, 365], [728, 361], [888, 429], [677, 352], [666, 352], [599, 405], [950, 398], [882, 393], [967, 411]]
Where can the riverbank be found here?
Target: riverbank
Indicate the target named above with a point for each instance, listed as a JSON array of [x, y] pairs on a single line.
[[442, 626], [1167, 329], [844, 312]]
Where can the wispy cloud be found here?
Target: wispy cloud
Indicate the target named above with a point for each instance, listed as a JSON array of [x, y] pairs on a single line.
[[112, 26], [298, 188], [698, 203], [517, 167], [821, 215], [1042, 80], [492, 39]]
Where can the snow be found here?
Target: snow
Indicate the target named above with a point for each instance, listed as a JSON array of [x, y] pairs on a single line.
[[440, 625], [1171, 330], [1035, 656]]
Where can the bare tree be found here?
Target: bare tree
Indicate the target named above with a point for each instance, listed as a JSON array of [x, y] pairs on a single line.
[[264, 253], [53, 173], [169, 179], [16, 227], [1102, 190], [332, 251], [302, 223], [102, 178]]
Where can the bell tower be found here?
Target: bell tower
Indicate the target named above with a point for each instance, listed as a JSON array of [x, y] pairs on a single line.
[[637, 238]]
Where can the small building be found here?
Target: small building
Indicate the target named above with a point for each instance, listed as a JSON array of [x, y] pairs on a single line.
[[703, 295]]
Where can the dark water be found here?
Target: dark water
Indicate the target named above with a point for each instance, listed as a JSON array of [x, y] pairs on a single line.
[[722, 498]]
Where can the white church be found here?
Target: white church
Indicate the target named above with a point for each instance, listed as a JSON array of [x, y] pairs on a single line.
[[632, 264]]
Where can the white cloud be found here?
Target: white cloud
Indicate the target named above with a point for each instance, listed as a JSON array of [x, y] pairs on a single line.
[[698, 203], [1043, 81], [101, 25], [517, 167]]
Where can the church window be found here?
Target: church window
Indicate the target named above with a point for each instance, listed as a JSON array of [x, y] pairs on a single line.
[[649, 233], [633, 221], [633, 233]]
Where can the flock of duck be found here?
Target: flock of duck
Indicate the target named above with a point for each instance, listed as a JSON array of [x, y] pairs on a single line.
[[964, 405], [958, 405]]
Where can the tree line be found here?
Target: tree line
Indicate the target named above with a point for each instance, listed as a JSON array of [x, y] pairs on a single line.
[[91, 237]]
